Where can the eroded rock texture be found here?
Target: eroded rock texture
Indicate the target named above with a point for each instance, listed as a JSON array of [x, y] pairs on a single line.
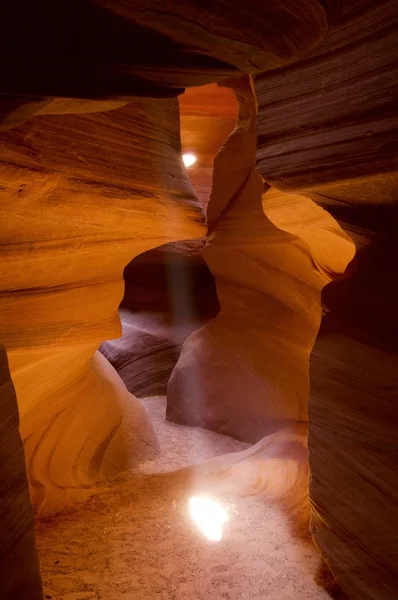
[[19, 568], [70, 184], [169, 290], [245, 373], [208, 116], [82, 195], [328, 128], [141, 48]]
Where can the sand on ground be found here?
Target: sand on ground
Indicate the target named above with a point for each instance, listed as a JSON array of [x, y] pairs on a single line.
[[134, 540]]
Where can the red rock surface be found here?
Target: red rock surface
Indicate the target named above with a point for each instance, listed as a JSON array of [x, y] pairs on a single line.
[[95, 190], [68, 180], [19, 567], [208, 116], [83, 194], [122, 49], [232, 373], [334, 140], [169, 290]]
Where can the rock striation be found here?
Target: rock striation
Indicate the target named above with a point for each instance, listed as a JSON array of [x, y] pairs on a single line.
[[82, 195], [19, 568], [169, 290], [232, 373], [118, 49], [69, 185], [328, 129]]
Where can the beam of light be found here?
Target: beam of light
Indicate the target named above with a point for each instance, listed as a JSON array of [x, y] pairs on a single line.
[[209, 516], [188, 159]]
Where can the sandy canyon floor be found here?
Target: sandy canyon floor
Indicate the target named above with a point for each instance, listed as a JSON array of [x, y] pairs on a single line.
[[135, 540]]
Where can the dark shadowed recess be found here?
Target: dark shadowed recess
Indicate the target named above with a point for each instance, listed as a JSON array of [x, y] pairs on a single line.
[[19, 566], [75, 48], [169, 293]]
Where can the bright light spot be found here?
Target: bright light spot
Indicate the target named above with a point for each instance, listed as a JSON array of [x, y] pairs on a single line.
[[188, 159], [209, 516]]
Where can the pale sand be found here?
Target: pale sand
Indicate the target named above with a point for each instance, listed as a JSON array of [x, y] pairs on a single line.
[[135, 540]]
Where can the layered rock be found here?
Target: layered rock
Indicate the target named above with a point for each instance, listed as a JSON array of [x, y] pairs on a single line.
[[208, 116], [245, 373], [327, 129], [122, 49], [334, 139], [169, 292], [83, 173], [83, 194], [19, 568]]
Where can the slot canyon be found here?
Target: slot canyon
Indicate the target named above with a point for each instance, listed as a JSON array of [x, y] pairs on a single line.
[[199, 300]]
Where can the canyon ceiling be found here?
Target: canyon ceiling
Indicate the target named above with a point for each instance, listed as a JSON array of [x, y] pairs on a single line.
[[297, 219]]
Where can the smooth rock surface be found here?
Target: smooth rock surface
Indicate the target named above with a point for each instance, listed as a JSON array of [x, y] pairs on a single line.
[[327, 132], [334, 140], [169, 290], [208, 116], [82, 195], [245, 373], [118, 49], [19, 567]]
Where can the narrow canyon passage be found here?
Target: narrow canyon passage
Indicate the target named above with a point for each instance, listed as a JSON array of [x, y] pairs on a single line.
[[136, 539], [198, 292]]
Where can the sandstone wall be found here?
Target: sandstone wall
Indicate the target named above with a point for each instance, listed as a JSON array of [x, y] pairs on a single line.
[[82, 195], [19, 568], [69, 184], [245, 373], [328, 128]]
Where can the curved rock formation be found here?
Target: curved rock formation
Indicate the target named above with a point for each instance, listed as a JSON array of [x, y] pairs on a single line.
[[275, 468], [69, 183], [169, 292], [121, 49], [19, 568], [334, 139], [208, 116], [245, 373], [83, 194], [327, 133]]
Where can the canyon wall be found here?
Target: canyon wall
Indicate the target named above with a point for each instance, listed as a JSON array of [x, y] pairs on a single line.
[[19, 568], [328, 128], [114, 48], [82, 194], [69, 185], [169, 290], [245, 373]]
